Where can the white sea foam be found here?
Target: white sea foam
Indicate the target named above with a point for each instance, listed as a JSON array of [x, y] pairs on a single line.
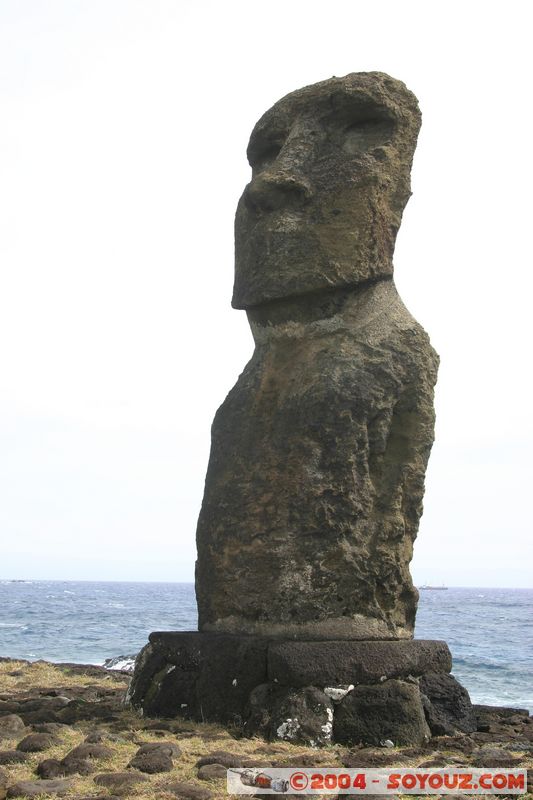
[[123, 663]]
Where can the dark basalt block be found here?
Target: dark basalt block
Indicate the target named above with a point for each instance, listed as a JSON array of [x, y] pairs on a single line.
[[372, 714], [205, 676], [231, 667], [500, 712], [301, 716], [217, 677], [333, 663], [450, 709]]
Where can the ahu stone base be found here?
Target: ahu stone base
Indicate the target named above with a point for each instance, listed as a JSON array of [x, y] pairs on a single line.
[[307, 692]]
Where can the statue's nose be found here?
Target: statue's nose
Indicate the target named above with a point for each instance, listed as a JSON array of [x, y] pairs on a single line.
[[278, 188]]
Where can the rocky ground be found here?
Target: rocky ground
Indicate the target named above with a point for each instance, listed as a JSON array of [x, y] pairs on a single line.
[[65, 733]]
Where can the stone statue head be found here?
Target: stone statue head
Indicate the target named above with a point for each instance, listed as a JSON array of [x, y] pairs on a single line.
[[331, 168]]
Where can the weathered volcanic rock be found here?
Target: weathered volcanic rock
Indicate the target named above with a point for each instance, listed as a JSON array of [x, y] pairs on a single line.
[[316, 477], [448, 706], [152, 761], [11, 725], [331, 168], [51, 768], [37, 788], [37, 742], [89, 750], [372, 714], [120, 782], [169, 748], [220, 757], [303, 716], [212, 772], [332, 663], [208, 677], [187, 791], [12, 757], [494, 758]]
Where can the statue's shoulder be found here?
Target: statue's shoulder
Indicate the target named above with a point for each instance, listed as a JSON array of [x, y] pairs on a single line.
[[380, 318]]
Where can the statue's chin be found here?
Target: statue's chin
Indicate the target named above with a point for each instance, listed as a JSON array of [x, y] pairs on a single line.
[[278, 266]]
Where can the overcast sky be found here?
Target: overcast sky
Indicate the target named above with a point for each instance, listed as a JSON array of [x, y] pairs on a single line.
[[122, 157]]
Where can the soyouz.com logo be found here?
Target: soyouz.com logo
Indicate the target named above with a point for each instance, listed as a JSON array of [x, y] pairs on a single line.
[[376, 781]]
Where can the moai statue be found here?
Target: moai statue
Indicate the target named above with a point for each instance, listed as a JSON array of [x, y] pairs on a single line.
[[315, 482]]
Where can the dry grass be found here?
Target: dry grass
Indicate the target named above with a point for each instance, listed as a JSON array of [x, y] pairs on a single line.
[[195, 739], [42, 675]]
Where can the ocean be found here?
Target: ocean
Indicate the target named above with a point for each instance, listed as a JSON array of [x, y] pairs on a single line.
[[489, 631]]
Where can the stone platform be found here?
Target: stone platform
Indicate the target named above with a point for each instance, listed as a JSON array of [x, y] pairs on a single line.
[[305, 691]]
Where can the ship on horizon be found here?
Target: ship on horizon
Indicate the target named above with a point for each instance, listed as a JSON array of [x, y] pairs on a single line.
[[434, 588]]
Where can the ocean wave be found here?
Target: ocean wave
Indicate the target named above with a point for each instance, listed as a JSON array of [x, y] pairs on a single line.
[[492, 658], [123, 663], [480, 665]]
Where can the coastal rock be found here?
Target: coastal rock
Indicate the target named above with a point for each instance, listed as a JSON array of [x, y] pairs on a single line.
[[315, 482], [498, 720], [448, 706], [38, 788], [169, 748], [12, 757], [212, 772], [11, 726], [120, 782], [503, 713], [77, 766], [436, 763], [4, 780], [368, 758], [55, 703], [95, 737], [374, 713], [50, 727], [53, 768], [120, 663], [80, 710], [461, 742], [88, 750], [39, 710], [494, 758], [220, 757], [37, 742], [303, 716], [188, 791], [152, 761], [50, 768], [8, 706]]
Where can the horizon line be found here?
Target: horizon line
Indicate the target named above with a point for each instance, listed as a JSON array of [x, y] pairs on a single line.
[[192, 583]]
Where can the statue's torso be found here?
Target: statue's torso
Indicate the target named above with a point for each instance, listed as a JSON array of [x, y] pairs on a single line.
[[315, 481]]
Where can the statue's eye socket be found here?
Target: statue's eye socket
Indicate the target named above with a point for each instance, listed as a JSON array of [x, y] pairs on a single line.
[[365, 134], [261, 157]]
